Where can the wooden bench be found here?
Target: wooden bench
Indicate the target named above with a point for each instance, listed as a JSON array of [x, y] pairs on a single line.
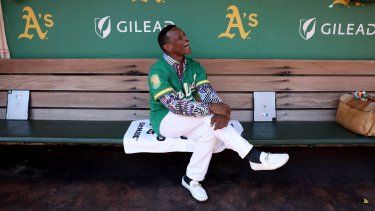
[[94, 100]]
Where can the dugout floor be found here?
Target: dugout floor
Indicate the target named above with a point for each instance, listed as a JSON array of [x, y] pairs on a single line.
[[102, 178]]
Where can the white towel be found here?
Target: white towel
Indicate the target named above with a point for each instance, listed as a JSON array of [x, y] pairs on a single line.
[[141, 138]]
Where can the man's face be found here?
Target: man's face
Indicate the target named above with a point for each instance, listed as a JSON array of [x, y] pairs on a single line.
[[178, 44]]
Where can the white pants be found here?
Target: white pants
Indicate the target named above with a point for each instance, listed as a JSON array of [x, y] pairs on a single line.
[[199, 130]]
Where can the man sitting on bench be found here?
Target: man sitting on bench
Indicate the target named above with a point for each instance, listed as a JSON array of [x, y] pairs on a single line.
[[183, 103]]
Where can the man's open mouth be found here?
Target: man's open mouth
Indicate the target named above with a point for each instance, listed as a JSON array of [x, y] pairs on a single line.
[[186, 45]]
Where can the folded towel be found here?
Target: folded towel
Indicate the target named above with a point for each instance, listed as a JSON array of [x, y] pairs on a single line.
[[141, 138]]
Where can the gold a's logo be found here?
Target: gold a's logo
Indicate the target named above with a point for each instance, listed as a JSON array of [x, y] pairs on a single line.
[[345, 3], [33, 24], [235, 21], [145, 1]]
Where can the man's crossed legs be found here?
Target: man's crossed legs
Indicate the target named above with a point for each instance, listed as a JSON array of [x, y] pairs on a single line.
[[199, 129]]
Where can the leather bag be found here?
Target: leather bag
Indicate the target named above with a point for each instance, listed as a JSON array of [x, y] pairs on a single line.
[[357, 115]]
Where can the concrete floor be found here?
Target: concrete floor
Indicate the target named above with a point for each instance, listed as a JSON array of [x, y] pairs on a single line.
[[104, 178]]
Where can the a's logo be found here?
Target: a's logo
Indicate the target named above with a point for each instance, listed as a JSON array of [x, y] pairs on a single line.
[[307, 28], [32, 22], [145, 1], [235, 21], [345, 3], [103, 26], [188, 89]]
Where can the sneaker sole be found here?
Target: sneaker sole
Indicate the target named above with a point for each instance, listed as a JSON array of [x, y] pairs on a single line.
[[260, 167], [194, 196]]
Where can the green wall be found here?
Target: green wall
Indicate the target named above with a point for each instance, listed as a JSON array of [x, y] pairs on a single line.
[[67, 28]]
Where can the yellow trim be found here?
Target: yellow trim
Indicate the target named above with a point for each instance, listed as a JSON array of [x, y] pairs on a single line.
[[163, 92], [203, 82]]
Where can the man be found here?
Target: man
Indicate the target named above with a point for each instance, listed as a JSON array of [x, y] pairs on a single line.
[[183, 103]]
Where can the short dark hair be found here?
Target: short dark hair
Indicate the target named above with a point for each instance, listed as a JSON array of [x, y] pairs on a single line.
[[162, 37]]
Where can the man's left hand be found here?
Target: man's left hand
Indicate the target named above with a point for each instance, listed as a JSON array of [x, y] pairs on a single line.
[[221, 109], [220, 121]]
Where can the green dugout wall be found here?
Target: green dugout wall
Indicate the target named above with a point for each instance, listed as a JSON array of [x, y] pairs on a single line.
[[285, 29]]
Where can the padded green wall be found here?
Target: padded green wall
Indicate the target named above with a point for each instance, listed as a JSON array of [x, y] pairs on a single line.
[[277, 34]]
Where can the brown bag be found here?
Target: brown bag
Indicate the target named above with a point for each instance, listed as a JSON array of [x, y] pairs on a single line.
[[357, 115]]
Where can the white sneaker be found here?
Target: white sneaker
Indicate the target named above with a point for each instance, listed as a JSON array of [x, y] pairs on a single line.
[[195, 189], [269, 161]]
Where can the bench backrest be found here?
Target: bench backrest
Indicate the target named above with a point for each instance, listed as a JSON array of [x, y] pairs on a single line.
[[116, 89]]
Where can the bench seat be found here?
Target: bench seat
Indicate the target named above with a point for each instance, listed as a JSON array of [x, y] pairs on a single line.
[[112, 132]]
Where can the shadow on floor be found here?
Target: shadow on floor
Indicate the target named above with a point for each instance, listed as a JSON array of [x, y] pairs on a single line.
[[92, 177]]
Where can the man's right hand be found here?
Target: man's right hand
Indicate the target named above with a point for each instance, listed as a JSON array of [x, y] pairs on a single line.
[[221, 109]]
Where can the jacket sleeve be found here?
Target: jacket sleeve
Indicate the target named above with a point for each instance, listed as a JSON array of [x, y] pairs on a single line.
[[208, 94], [184, 106]]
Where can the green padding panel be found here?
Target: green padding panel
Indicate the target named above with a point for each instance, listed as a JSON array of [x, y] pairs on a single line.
[[104, 132], [288, 29]]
